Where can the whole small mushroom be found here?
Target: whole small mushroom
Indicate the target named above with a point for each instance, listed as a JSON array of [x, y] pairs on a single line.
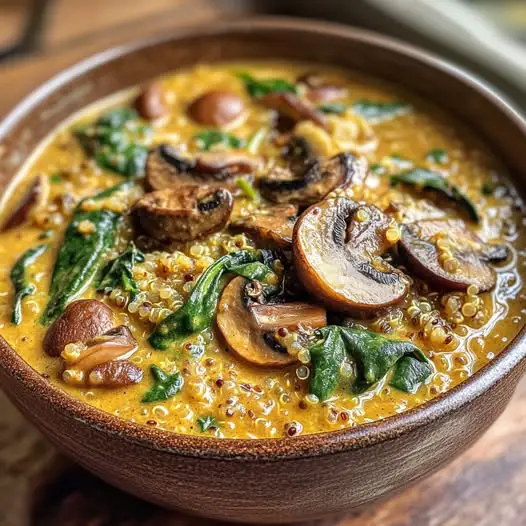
[[81, 321], [216, 108], [150, 103]]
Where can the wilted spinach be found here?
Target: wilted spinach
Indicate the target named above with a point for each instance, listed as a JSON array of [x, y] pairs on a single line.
[[116, 141], [373, 356], [80, 255], [208, 138], [333, 107], [164, 385], [261, 87], [117, 273], [430, 180], [199, 310], [20, 280], [376, 111], [207, 422], [437, 156]]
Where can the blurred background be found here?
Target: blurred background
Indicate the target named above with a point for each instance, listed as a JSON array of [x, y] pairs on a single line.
[[39, 37]]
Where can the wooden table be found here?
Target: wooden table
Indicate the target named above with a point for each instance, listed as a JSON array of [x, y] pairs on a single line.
[[484, 487]]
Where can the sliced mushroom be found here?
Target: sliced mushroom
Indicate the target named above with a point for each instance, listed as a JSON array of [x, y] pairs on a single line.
[[291, 106], [447, 254], [167, 168], [238, 324], [272, 225], [336, 244], [216, 108], [35, 197], [81, 321], [315, 181], [185, 214], [89, 363], [150, 103], [319, 90]]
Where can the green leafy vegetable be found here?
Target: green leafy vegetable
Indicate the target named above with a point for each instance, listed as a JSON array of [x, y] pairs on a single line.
[[378, 169], [46, 234], [488, 188], [327, 355], [118, 272], [116, 141], [164, 385], [208, 138], [247, 189], [372, 355], [55, 178], [20, 281], [199, 309], [437, 156], [410, 372], [80, 255], [376, 112], [430, 180], [207, 422], [261, 87], [333, 107]]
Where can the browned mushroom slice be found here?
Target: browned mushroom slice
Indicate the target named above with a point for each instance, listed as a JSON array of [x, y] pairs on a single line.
[[314, 182], [319, 90], [216, 108], [167, 168], [447, 254], [336, 244], [273, 225], [185, 214], [88, 364], [291, 106], [239, 327], [36, 196]]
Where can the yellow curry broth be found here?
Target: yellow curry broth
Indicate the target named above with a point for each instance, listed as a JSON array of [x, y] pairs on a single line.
[[247, 401]]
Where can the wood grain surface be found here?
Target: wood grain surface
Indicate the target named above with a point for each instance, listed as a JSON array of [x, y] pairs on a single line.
[[484, 487]]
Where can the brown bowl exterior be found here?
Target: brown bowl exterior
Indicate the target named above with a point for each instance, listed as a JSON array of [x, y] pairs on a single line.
[[280, 480]]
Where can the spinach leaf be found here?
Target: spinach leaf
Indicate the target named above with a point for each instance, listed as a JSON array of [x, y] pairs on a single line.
[[430, 180], [118, 272], [164, 387], [80, 255], [55, 178], [488, 188], [19, 279], [254, 270], [437, 156], [116, 141], [374, 355], [378, 169], [327, 356], [376, 112], [199, 309], [259, 88], [410, 372], [208, 138], [333, 107], [207, 422]]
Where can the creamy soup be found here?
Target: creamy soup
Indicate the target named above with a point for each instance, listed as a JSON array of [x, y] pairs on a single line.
[[261, 250]]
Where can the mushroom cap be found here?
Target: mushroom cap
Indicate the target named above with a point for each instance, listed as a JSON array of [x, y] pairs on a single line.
[[272, 225], [167, 168], [315, 180], [418, 244], [333, 253], [187, 213], [216, 108], [82, 320], [150, 103], [291, 106], [244, 327]]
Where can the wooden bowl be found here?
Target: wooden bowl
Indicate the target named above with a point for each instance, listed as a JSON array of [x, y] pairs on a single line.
[[271, 480]]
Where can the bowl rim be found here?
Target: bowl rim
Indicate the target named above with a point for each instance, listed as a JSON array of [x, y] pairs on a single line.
[[267, 449]]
